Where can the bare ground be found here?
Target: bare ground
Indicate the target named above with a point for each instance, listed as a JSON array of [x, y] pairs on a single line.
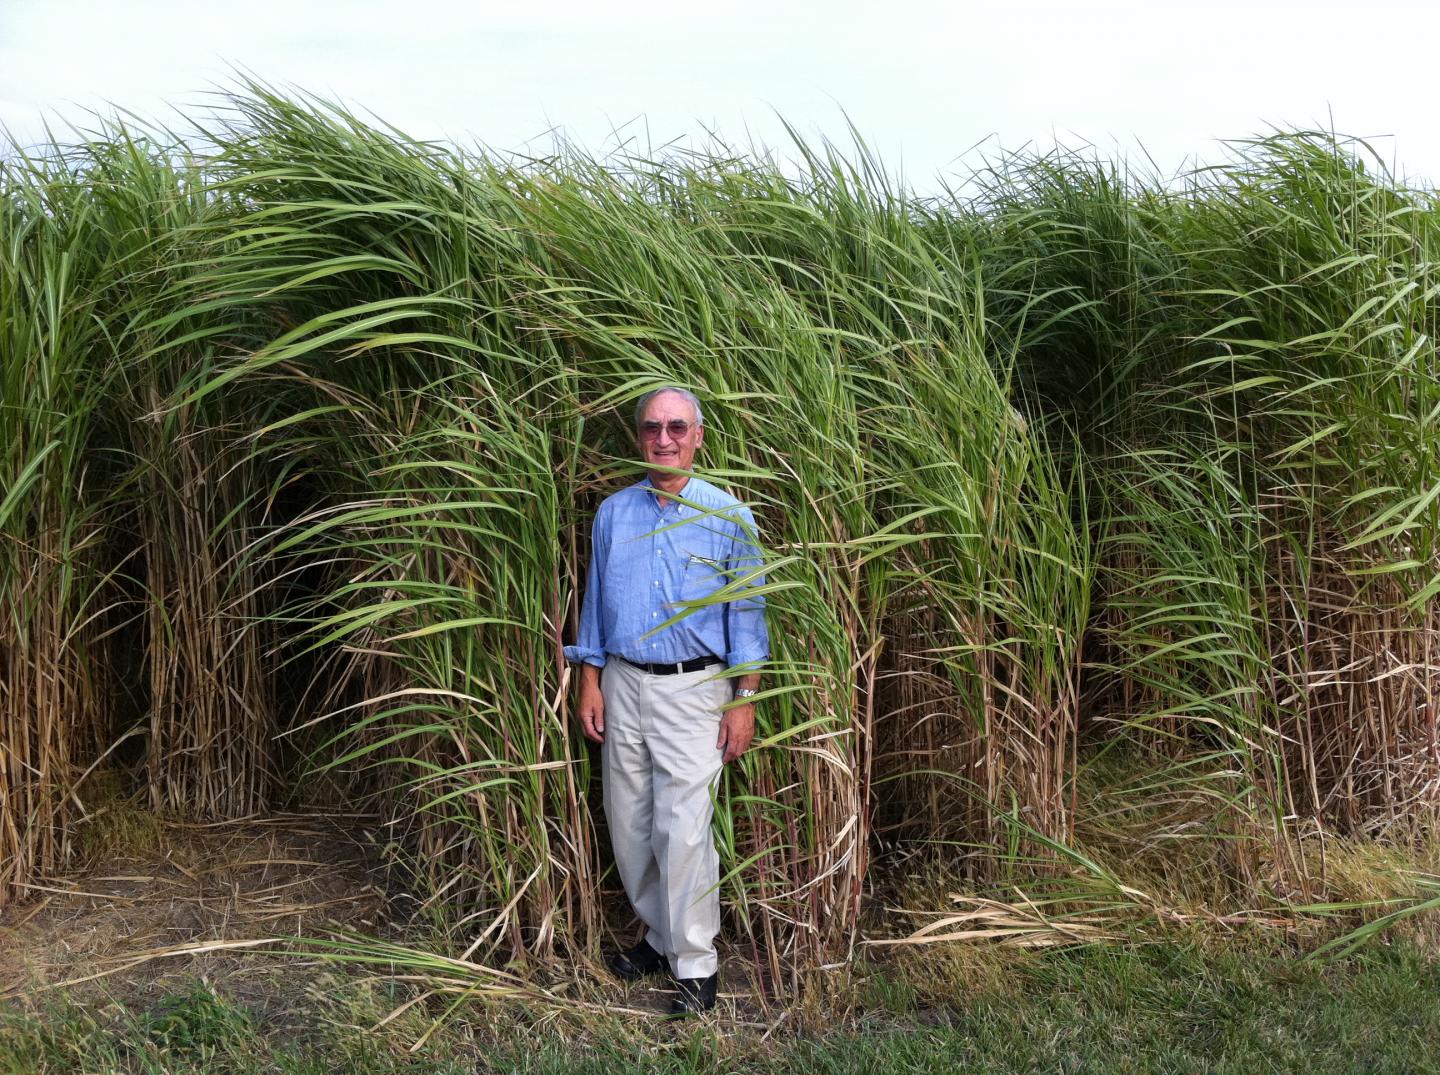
[[135, 925], [167, 902]]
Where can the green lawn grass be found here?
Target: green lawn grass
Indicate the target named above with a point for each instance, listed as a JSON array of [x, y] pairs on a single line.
[[1166, 1007]]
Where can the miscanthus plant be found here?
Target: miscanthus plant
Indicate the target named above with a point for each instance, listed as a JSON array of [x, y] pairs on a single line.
[[459, 356], [51, 560], [1254, 377], [123, 514], [1078, 465]]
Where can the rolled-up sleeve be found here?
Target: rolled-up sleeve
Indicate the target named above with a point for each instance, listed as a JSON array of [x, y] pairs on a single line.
[[589, 645], [747, 637]]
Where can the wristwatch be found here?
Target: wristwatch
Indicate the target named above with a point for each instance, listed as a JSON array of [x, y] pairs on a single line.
[[745, 692]]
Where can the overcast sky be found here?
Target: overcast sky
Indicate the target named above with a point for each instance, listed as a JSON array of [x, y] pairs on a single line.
[[923, 81]]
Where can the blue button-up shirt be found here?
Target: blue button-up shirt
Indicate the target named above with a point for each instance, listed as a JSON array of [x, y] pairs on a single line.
[[647, 561]]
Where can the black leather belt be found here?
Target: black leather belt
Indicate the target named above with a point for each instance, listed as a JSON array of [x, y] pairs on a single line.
[[695, 664]]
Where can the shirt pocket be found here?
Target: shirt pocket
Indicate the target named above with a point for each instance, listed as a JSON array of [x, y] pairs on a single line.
[[702, 577]]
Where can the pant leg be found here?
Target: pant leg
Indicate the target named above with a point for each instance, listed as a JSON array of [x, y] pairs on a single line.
[[685, 723], [626, 777]]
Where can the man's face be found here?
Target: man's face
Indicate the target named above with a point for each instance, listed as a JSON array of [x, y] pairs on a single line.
[[657, 438]]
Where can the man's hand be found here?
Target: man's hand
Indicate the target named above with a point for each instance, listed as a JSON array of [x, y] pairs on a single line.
[[737, 728], [592, 704]]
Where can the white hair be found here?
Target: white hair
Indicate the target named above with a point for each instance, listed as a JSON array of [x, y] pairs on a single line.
[[683, 393]]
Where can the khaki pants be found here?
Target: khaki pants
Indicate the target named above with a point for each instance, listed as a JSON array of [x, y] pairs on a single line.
[[659, 765]]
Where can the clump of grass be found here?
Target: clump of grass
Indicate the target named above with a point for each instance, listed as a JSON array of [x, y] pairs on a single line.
[[58, 275], [196, 1022], [1158, 1007], [118, 828]]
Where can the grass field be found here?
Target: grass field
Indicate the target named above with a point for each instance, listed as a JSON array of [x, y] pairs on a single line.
[[1164, 1007], [1184, 991]]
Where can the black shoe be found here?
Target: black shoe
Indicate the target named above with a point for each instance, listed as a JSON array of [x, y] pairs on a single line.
[[694, 995], [631, 963]]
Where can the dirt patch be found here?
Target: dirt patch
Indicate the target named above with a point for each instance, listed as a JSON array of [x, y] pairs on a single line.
[[166, 906], [134, 926]]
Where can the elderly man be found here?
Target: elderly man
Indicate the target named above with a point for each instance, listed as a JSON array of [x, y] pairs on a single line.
[[653, 691]]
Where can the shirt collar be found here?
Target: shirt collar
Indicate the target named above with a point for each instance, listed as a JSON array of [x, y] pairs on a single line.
[[670, 497]]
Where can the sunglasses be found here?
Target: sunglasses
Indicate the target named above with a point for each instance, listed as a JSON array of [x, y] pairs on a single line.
[[676, 427]]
